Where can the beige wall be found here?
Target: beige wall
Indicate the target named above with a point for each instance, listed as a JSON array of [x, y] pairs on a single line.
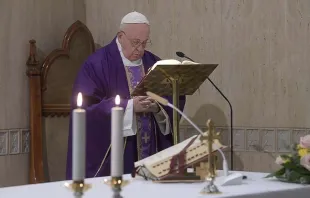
[[45, 21], [262, 48]]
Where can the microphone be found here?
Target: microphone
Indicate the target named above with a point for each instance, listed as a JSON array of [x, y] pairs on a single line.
[[165, 102], [182, 55]]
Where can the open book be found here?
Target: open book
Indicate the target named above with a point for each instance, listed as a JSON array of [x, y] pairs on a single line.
[[172, 62], [158, 166]]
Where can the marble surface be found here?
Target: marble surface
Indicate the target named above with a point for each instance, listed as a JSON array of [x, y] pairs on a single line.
[[254, 186]]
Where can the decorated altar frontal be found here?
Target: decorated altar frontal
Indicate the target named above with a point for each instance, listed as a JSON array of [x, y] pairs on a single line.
[[254, 186]]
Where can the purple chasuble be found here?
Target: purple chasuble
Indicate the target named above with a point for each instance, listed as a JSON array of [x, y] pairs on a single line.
[[102, 77]]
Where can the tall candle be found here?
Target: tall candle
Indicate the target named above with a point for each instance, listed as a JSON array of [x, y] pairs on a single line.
[[79, 141], [117, 139]]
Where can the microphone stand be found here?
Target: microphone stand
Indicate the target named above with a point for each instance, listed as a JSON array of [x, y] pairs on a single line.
[[231, 124], [231, 112]]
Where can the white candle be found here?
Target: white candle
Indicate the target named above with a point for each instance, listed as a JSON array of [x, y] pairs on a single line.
[[79, 141], [117, 139]]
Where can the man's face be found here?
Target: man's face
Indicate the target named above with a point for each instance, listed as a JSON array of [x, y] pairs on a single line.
[[134, 39]]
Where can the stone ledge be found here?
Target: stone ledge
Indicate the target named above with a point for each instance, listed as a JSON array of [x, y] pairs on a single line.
[[274, 140]]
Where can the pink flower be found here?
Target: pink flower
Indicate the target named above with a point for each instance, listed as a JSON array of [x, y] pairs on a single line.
[[305, 161], [279, 160], [305, 141]]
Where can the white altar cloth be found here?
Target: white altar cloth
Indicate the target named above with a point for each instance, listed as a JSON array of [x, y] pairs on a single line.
[[255, 186]]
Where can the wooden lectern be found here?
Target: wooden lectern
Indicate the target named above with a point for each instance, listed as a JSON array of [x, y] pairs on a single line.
[[175, 80]]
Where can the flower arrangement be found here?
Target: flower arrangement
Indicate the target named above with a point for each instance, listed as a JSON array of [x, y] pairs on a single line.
[[295, 166]]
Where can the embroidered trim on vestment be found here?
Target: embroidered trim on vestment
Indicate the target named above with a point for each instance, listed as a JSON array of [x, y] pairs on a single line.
[[142, 133]]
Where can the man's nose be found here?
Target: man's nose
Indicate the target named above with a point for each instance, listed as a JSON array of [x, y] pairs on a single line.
[[140, 47]]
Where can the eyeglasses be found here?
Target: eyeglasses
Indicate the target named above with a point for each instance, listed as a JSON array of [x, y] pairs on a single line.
[[137, 42]]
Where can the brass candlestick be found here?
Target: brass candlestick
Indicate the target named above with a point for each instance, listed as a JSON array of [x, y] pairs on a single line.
[[116, 183], [211, 188], [78, 188]]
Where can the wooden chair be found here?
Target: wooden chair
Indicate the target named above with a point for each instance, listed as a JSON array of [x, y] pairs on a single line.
[[50, 85]]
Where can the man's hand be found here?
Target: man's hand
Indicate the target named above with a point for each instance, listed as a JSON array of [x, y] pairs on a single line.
[[145, 104], [141, 104], [154, 108]]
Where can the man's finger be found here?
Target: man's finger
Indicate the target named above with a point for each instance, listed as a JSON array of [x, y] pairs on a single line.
[[145, 102], [150, 99], [142, 97]]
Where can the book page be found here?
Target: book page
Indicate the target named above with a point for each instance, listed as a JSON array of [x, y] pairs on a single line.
[[166, 62], [171, 151], [187, 62]]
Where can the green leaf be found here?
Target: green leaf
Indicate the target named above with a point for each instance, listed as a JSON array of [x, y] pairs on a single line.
[[302, 170], [289, 165], [305, 180], [294, 176], [282, 179], [278, 173], [296, 159], [296, 167]]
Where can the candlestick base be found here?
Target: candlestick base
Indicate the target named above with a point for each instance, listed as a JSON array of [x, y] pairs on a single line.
[[78, 188], [116, 183], [211, 188]]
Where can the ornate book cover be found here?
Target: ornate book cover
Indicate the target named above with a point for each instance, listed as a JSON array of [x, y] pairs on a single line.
[[158, 166]]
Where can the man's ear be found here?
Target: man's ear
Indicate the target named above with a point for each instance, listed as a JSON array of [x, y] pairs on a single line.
[[119, 35]]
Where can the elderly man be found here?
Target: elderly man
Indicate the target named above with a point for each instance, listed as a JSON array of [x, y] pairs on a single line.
[[115, 70]]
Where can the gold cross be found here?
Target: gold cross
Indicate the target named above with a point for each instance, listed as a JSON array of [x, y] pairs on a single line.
[[146, 138], [210, 136], [202, 170]]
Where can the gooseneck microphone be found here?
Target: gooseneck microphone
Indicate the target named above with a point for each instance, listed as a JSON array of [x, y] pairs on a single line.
[[182, 55]]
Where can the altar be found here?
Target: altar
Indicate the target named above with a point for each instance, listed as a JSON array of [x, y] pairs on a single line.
[[255, 186]]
